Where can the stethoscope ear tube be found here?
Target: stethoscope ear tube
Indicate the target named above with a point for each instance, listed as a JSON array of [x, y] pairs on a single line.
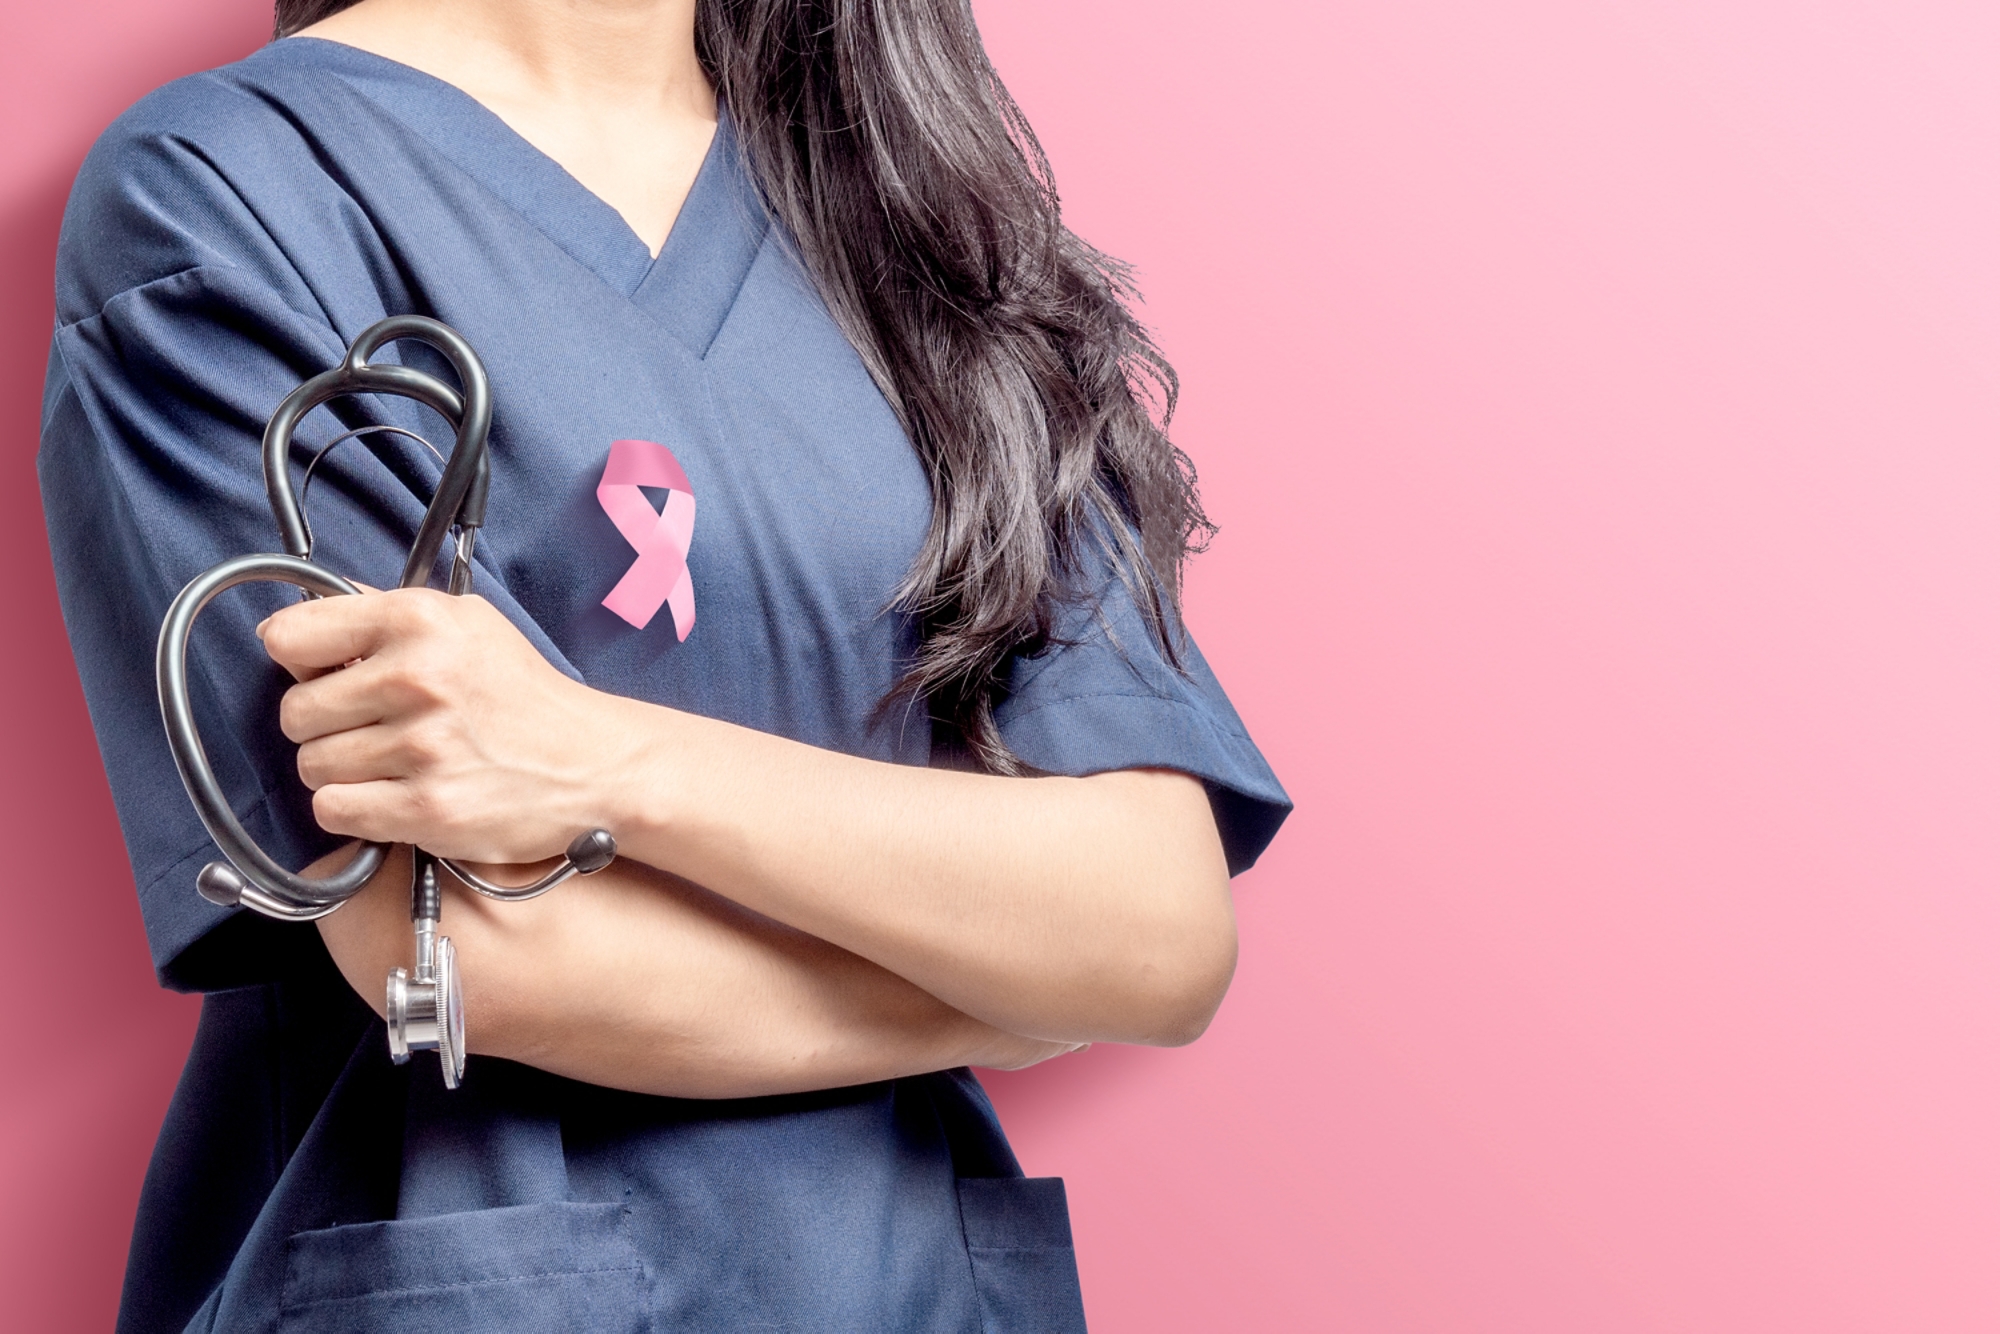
[[460, 498], [250, 876], [587, 854]]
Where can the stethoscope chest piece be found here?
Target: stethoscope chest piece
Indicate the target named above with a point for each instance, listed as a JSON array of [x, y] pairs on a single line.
[[426, 1009], [427, 1012]]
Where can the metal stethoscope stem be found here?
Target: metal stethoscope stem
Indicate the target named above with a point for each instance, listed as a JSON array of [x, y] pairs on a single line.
[[425, 1006]]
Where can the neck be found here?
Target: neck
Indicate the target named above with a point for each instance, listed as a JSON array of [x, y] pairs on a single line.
[[609, 89], [623, 54]]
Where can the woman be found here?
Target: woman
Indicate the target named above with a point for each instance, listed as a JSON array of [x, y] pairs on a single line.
[[917, 771]]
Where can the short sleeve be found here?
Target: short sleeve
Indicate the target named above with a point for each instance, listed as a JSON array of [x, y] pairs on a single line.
[[1104, 697], [180, 326]]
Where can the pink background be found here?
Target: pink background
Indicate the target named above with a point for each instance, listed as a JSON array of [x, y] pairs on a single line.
[[1600, 404]]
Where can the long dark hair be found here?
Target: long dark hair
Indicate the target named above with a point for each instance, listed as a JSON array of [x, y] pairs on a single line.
[[923, 207]]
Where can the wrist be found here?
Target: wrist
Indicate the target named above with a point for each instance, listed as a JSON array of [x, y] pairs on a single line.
[[641, 753]]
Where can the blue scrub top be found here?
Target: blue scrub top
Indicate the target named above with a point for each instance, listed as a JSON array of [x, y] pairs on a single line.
[[226, 239]]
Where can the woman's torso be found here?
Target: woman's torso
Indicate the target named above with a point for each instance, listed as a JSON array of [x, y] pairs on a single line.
[[321, 189]]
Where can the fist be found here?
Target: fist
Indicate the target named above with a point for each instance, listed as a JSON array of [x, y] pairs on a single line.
[[428, 719]]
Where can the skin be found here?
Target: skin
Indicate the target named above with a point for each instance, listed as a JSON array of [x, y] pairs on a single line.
[[781, 917], [610, 89]]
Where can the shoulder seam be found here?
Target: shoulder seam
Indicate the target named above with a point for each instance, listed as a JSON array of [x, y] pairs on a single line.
[[317, 319], [62, 324]]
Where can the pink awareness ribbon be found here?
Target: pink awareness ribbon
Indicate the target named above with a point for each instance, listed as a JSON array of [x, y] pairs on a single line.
[[660, 574]]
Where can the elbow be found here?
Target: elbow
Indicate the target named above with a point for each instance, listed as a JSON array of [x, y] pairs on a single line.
[[1176, 949], [1160, 994], [1181, 988]]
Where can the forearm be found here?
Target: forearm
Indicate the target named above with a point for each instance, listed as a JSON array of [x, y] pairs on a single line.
[[633, 980], [1071, 909]]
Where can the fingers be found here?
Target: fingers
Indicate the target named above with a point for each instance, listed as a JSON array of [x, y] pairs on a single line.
[[396, 810], [327, 632], [324, 633], [380, 811], [372, 691], [364, 755]]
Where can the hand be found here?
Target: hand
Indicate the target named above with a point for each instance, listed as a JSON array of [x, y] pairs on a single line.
[[447, 729]]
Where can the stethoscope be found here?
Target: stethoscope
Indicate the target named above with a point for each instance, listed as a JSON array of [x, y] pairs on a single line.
[[426, 1009]]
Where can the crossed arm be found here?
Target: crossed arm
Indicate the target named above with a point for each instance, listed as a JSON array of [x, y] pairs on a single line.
[[781, 917]]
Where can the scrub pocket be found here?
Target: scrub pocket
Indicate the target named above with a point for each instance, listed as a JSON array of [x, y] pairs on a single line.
[[1023, 1260], [531, 1267]]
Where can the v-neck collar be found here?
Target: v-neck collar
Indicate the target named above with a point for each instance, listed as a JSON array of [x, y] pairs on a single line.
[[689, 288]]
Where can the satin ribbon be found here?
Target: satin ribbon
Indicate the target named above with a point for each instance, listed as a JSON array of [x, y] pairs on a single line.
[[660, 574]]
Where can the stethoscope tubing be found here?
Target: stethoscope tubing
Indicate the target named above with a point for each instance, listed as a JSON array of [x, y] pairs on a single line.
[[465, 470], [247, 875], [270, 887], [424, 1009], [588, 853]]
